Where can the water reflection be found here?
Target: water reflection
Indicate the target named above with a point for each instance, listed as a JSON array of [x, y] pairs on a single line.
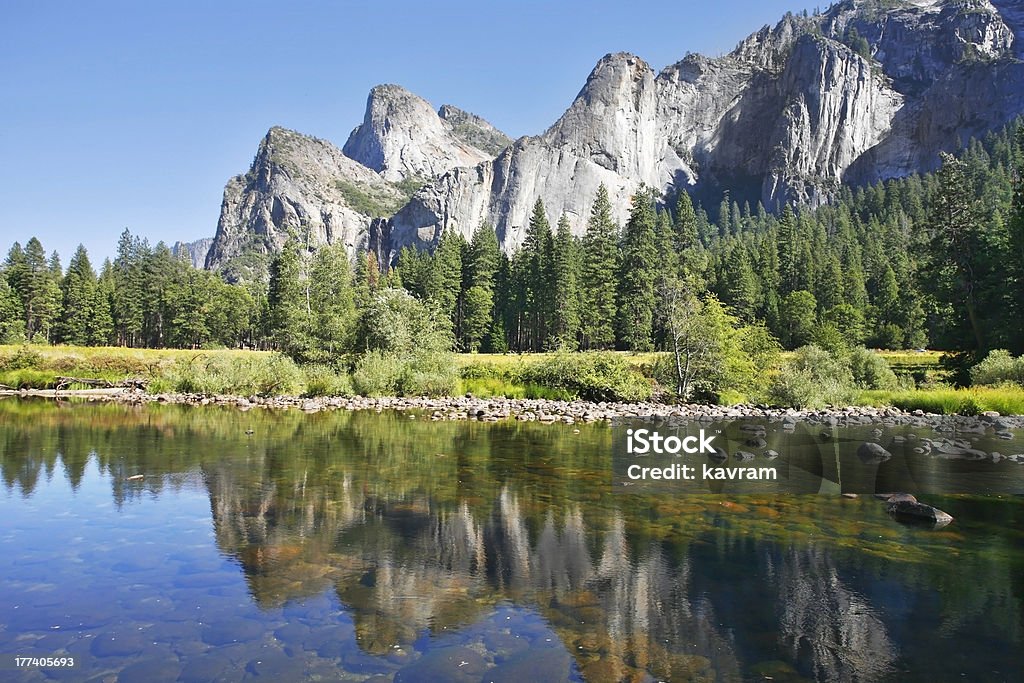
[[380, 545]]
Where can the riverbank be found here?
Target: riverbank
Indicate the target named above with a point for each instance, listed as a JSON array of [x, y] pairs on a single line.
[[496, 409], [497, 380]]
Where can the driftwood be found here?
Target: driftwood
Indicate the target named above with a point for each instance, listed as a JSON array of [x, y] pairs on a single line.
[[65, 382]]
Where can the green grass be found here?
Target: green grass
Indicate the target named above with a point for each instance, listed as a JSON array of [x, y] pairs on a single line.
[[949, 400]]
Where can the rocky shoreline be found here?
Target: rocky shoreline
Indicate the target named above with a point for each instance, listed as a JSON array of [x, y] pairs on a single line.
[[550, 411]]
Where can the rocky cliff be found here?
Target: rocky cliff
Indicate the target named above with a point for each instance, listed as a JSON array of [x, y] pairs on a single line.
[[195, 251], [297, 185], [403, 137], [868, 90]]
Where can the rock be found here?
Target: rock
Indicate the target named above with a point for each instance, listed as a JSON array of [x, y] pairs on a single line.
[[872, 453], [454, 664], [743, 456], [791, 112], [913, 511], [401, 136], [548, 664], [298, 182]]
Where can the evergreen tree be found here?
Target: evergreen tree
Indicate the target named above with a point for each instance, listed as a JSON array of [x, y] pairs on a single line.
[[637, 274], [78, 293], [536, 278], [1015, 256], [565, 322], [598, 276], [957, 255], [481, 266]]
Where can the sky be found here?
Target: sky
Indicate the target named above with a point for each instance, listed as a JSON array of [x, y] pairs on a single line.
[[134, 115]]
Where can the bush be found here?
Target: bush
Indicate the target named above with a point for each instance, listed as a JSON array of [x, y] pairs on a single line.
[[261, 375], [323, 380], [998, 367], [813, 378], [593, 375], [21, 359], [377, 374], [871, 371], [430, 373]]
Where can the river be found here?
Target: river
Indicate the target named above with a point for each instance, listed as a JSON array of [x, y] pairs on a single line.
[[279, 545]]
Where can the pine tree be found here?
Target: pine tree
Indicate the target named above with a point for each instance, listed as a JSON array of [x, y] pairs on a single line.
[[128, 302], [536, 277], [481, 266], [957, 252], [1015, 248], [78, 292], [637, 275], [565, 323], [598, 276], [740, 289], [789, 248]]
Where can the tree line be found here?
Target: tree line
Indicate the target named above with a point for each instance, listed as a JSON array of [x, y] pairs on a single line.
[[927, 260]]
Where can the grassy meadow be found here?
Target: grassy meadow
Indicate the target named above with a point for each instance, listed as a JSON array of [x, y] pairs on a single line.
[[483, 375]]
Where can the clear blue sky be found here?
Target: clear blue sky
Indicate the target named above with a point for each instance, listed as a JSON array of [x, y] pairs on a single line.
[[134, 114]]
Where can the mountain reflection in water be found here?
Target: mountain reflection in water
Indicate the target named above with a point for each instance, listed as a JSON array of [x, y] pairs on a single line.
[[501, 543]]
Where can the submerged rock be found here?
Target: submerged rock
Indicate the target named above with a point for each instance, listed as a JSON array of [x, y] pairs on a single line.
[[913, 511], [871, 452]]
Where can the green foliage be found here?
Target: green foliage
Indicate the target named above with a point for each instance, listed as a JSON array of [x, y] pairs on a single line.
[[378, 373], [999, 367], [20, 359], [598, 275], [250, 375], [871, 371], [637, 274], [324, 380], [593, 376], [395, 322], [430, 373], [424, 373], [812, 378], [374, 204]]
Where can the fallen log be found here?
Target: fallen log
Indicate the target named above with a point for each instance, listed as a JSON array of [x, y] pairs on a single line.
[[133, 383]]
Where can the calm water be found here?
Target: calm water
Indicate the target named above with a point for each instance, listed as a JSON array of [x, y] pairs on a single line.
[[341, 546]]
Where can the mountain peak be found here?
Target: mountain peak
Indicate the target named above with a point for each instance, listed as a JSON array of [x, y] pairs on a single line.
[[402, 137]]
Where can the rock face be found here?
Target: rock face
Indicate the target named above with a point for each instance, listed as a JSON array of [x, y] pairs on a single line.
[[866, 91], [869, 90], [403, 137], [302, 185], [196, 251]]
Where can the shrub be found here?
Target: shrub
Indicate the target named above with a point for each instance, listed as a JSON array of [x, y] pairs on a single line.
[[812, 378], [998, 367], [323, 380], [430, 373], [593, 375], [871, 371], [377, 374], [262, 375], [21, 359]]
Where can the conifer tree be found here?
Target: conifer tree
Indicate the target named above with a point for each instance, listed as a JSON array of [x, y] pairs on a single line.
[[78, 293], [565, 323], [637, 274], [599, 276]]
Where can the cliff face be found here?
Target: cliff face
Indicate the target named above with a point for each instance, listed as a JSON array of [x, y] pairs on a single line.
[[196, 251], [296, 185], [403, 137], [869, 90]]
